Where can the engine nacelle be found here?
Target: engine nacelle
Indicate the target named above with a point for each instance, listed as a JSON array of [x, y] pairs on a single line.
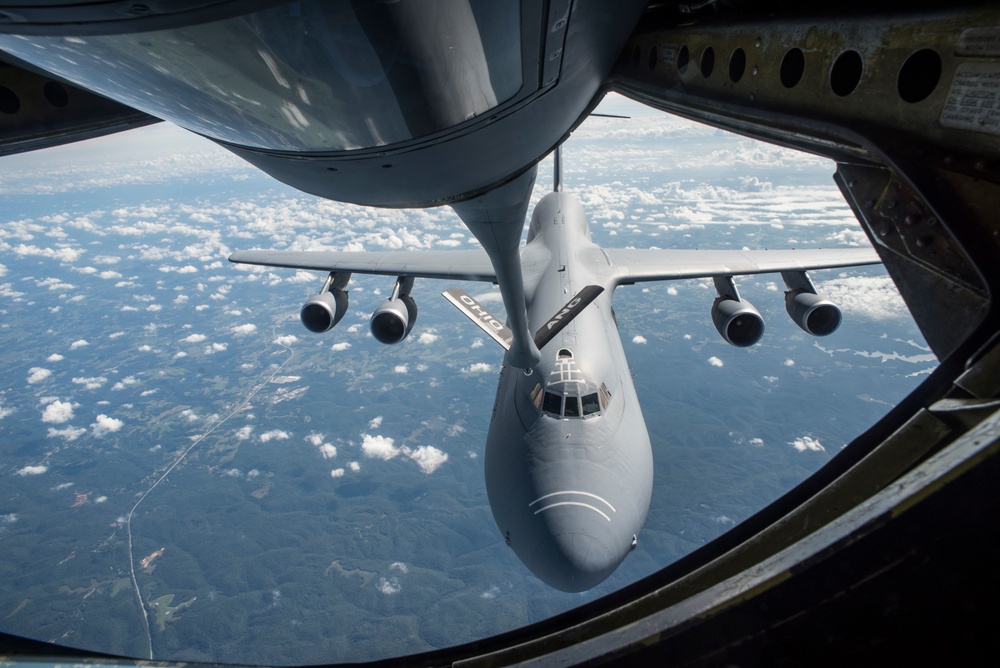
[[393, 319], [814, 314], [738, 322], [324, 310]]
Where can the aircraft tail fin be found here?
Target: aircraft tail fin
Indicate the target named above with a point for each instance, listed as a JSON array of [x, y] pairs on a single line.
[[478, 314], [566, 314]]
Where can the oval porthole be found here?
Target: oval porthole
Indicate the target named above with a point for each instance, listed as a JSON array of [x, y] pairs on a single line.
[[846, 73], [737, 65], [707, 62], [56, 94], [919, 76], [793, 65], [10, 103], [683, 60]]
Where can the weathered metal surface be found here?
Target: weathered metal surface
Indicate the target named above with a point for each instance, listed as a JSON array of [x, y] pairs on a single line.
[[37, 111]]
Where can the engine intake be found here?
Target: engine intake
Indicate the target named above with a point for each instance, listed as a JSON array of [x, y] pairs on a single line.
[[814, 314], [393, 319], [738, 322], [324, 310]]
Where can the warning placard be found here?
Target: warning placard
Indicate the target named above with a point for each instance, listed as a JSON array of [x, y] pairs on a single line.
[[974, 99]]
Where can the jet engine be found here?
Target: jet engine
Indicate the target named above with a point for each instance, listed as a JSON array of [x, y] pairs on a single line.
[[394, 318], [738, 321], [814, 314], [325, 309]]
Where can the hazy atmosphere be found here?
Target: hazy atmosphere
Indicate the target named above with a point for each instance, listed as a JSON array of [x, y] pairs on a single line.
[[171, 434]]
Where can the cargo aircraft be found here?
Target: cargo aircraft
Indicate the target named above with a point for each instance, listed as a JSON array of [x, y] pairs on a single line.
[[569, 469]]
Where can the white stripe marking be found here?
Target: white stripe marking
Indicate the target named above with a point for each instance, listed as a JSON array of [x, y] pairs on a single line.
[[571, 491], [573, 503]]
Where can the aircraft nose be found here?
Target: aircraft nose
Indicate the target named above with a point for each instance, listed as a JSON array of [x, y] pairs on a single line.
[[575, 561]]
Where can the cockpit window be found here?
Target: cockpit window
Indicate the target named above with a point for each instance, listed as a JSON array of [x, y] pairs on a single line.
[[572, 407], [536, 395], [552, 403], [591, 404]]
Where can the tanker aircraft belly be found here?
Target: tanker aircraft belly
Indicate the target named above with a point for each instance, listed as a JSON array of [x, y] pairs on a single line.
[[569, 468]]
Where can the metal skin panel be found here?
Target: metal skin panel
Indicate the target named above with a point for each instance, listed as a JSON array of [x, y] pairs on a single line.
[[569, 494]]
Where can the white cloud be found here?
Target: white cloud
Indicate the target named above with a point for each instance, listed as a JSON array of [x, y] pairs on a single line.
[[873, 297], [286, 340], [375, 422], [80, 343], [32, 470], [100, 499], [477, 343], [58, 412], [37, 374], [399, 566], [243, 330], [490, 593], [127, 381], [61, 254], [639, 339], [67, 433], [105, 425], [337, 473], [328, 451], [379, 447], [274, 434], [715, 361], [428, 458], [194, 338], [338, 347], [243, 433], [315, 438], [807, 443], [427, 338], [354, 466], [478, 367], [389, 587], [92, 382], [54, 357], [401, 368], [757, 442], [789, 362]]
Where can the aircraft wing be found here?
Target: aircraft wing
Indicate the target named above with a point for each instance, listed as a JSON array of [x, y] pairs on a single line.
[[635, 265], [466, 265]]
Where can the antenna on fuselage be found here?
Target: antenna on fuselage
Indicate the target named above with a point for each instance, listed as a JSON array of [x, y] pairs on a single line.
[[557, 180], [557, 185]]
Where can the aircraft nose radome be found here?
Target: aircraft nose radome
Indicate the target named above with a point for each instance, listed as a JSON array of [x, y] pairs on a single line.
[[574, 562]]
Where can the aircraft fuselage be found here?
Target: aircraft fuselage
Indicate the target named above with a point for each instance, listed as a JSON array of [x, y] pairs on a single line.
[[569, 469]]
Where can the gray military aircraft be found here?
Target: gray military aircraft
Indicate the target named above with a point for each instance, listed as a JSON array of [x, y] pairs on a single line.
[[569, 468]]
